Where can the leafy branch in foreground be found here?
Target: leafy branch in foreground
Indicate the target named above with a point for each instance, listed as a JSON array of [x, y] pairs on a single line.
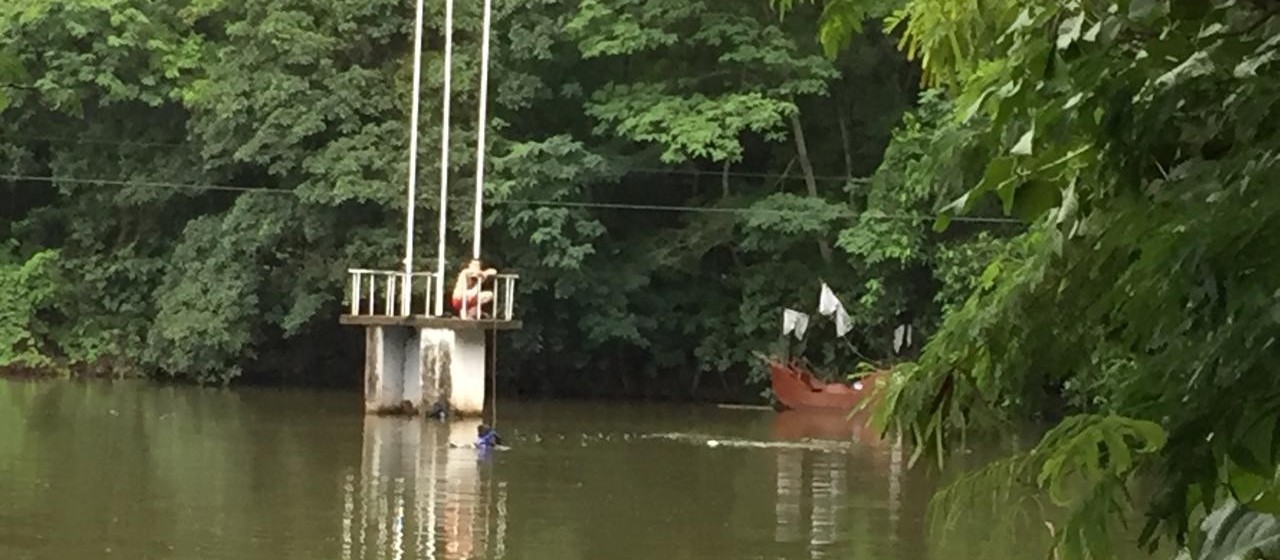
[[1141, 138], [1083, 465]]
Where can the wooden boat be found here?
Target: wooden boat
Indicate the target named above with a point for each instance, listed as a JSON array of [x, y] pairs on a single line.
[[797, 388]]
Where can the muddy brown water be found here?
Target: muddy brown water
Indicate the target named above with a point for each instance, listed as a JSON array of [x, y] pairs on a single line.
[[137, 471]]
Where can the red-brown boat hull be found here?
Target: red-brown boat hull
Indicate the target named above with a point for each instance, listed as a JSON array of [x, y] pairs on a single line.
[[798, 389]]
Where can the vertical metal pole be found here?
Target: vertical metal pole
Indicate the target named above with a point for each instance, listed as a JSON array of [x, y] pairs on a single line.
[[444, 153], [355, 293], [387, 298], [497, 297], [413, 159], [426, 295], [480, 127], [511, 297]]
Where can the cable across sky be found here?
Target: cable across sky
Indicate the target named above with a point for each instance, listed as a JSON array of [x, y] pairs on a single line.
[[740, 210], [629, 170]]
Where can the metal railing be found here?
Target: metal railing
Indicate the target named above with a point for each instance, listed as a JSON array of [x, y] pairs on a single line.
[[380, 293], [501, 305]]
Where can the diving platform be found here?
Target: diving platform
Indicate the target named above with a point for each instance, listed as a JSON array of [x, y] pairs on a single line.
[[418, 357]]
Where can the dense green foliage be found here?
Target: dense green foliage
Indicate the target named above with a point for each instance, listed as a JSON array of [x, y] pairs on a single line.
[[25, 287], [1142, 135], [295, 115]]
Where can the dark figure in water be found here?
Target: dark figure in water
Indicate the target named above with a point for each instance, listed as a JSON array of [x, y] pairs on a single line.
[[439, 411], [486, 437]]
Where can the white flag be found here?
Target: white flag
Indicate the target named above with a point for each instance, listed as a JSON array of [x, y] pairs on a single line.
[[794, 321], [827, 302], [843, 323], [901, 337]]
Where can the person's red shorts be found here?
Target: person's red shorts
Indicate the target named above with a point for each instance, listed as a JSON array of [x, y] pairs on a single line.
[[472, 303]]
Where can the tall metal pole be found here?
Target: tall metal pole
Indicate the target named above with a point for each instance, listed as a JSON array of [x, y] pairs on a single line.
[[480, 127], [444, 153], [413, 164]]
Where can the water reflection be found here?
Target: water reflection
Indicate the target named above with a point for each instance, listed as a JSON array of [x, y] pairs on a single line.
[[422, 493], [149, 473], [814, 488]]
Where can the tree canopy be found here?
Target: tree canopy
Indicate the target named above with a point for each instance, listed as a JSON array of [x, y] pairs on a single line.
[[191, 178]]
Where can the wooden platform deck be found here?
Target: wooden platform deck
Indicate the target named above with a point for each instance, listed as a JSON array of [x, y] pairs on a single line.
[[425, 322]]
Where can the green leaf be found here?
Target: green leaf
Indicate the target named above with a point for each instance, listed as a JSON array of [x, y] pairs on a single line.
[[989, 275], [1119, 457], [1069, 31], [1198, 64], [942, 222], [1251, 447], [1092, 34], [1246, 486], [1249, 67], [1232, 532], [1147, 10], [998, 173], [1034, 198], [1023, 147]]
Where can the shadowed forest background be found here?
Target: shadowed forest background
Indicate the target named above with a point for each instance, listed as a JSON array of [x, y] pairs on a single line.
[[185, 184]]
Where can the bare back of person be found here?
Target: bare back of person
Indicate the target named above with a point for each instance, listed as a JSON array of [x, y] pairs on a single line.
[[469, 295]]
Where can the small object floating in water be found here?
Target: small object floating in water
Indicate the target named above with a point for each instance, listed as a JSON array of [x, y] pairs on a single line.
[[811, 444]]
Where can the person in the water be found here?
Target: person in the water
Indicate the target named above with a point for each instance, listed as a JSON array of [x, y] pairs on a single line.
[[486, 437]]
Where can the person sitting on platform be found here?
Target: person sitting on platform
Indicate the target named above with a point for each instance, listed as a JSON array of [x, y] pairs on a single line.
[[468, 290]]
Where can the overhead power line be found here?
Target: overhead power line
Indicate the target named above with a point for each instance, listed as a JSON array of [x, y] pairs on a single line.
[[135, 183], [629, 170], [525, 202]]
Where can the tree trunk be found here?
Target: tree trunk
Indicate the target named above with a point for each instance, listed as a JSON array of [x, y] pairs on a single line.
[[802, 152], [780, 183], [697, 182], [724, 181], [844, 140]]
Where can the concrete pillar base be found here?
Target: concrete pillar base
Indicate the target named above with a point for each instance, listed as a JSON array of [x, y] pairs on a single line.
[[411, 371]]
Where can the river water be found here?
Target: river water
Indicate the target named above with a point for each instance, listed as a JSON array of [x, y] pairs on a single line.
[[138, 471]]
